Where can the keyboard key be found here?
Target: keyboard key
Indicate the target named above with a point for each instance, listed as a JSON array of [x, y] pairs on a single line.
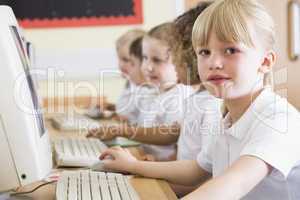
[[89, 185]]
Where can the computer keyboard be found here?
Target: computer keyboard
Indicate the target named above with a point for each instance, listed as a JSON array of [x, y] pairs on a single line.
[[73, 123], [77, 152], [89, 185]]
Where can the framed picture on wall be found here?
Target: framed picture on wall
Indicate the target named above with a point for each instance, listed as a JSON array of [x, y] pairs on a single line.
[[76, 13]]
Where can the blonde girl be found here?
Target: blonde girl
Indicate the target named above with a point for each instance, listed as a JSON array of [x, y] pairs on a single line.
[[122, 47], [257, 154], [126, 68], [124, 106]]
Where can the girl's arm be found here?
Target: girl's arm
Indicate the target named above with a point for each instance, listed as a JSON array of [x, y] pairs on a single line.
[[185, 172], [235, 182], [182, 190], [160, 135]]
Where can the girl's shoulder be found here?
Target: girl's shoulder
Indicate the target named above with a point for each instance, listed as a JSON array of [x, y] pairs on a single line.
[[180, 90], [148, 89], [142, 90], [268, 103], [272, 116], [203, 99]]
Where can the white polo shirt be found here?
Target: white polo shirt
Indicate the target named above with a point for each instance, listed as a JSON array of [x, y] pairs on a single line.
[[133, 99], [166, 109], [202, 117], [269, 130]]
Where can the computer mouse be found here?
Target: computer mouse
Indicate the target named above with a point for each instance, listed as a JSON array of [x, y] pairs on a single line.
[[108, 114], [94, 112], [99, 166]]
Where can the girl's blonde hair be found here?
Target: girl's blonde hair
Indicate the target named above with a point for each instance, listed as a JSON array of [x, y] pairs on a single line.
[[128, 37], [232, 21], [168, 35]]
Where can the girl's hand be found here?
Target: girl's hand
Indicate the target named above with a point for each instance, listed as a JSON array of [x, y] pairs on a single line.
[[148, 157], [119, 159], [105, 132]]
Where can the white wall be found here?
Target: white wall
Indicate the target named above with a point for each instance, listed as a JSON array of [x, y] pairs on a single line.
[[286, 71], [78, 54], [81, 52]]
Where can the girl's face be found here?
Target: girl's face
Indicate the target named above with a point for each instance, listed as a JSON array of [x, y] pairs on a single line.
[[157, 62], [135, 74], [231, 70], [124, 60]]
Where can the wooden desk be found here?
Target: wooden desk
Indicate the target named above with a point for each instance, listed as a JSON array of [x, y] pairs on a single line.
[[53, 104], [148, 189]]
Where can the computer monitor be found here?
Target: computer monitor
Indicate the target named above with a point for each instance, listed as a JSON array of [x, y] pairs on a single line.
[[30, 51], [25, 152], [31, 54]]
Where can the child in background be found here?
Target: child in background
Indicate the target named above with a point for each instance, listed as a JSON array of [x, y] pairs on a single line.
[[201, 110], [139, 91], [256, 155], [123, 44], [160, 47], [136, 57], [131, 71]]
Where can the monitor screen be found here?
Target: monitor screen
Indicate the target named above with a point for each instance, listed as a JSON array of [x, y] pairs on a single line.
[[25, 63], [30, 53], [28, 44]]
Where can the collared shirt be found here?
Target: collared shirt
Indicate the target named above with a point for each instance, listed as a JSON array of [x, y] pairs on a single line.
[[133, 99], [166, 109], [270, 131], [202, 117]]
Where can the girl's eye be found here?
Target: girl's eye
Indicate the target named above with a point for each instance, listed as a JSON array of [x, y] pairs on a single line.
[[125, 59], [157, 60], [230, 51], [145, 58], [204, 52]]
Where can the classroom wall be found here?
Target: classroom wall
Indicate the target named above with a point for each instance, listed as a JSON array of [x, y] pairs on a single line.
[[103, 36], [83, 54], [286, 71]]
